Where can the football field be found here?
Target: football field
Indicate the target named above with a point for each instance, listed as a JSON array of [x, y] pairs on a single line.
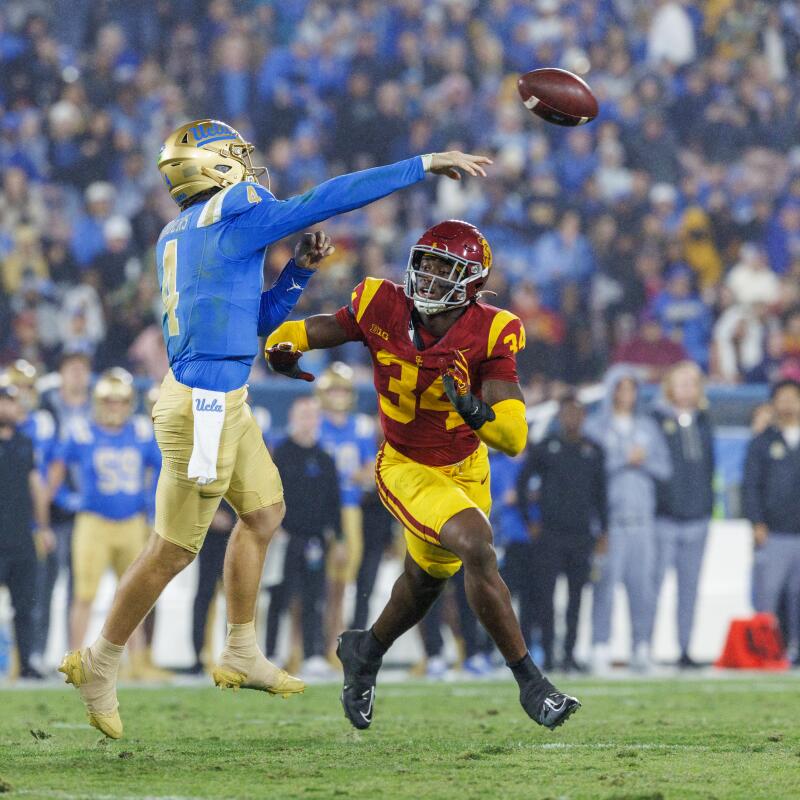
[[673, 738]]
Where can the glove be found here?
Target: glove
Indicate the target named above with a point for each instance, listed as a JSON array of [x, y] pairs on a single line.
[[457, 387], [283, 358]]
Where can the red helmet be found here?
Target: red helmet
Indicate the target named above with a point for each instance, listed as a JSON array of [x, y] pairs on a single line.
[[463, 247]]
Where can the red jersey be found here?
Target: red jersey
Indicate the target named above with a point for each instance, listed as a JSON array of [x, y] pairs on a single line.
[[417, 418]]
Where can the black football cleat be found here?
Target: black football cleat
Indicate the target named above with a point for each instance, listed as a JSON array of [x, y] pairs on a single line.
[[545, 705], [360, 677]]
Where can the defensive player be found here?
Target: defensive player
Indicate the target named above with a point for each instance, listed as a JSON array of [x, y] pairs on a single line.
[[116, 458], [445, 373], [210, 267], [349, 438]]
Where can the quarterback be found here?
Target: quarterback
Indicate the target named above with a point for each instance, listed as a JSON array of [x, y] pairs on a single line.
[[210, 267], [444, 366]]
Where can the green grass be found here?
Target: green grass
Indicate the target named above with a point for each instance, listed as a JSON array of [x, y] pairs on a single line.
[[725, 739]]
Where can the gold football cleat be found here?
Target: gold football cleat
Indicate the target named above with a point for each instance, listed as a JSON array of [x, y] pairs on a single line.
[[107, 722], [284, 684]]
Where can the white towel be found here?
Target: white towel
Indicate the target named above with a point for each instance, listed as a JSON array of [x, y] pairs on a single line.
[[208, 411]]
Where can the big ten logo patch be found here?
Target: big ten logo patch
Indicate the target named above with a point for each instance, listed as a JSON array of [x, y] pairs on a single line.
[[378, 331]]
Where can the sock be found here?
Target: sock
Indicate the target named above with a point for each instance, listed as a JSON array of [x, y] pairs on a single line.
[[104, 657], [371, 646], [241, 654], [240, 646], [525, 671], [101, 661]]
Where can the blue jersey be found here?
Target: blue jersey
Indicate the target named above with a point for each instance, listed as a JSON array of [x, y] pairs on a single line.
[[351, 446], [40, 427], [210, 268], [114, 468], [509, 526]]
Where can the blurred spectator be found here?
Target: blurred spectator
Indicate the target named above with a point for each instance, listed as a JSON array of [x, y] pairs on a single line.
[[561, 256], [686, 498], [25, 260], [306, 470], [636, 458], [574, 514], [740, 343], [671, 34], [650, 349], [699, 249], [751, 281], [684, 317], [772, 504], [88, 239]]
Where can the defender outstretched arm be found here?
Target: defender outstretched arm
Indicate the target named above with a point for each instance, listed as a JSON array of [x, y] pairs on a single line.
[[315, 333]]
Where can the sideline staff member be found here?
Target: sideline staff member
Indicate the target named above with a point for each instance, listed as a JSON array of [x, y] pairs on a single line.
[[772, 504], [22, 497]]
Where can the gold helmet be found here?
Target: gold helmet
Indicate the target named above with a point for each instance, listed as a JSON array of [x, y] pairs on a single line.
[[205, 154], [113, 397], [335, 388], [23, 374]]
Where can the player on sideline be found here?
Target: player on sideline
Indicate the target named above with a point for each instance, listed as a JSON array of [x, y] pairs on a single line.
[[445, 372], [210, 267]]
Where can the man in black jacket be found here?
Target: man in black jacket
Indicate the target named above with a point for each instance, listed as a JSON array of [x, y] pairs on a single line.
[[313, 519], [23, 498], [685, 500], [771, 499], [574, 509]]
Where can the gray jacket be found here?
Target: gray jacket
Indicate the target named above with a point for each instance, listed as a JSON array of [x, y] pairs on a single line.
[[631, 489]]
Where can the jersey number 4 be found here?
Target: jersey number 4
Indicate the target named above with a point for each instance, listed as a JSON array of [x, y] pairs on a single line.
[[404, 409], [169, 286]]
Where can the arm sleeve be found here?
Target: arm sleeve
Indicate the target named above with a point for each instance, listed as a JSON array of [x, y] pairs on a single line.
[[267, 220], [279, 301], [508, 431], [752, 483]]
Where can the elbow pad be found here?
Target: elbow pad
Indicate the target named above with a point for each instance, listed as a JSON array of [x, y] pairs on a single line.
[[508, 431], [293, 332]]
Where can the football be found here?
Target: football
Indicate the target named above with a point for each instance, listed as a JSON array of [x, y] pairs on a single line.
[[558, 96]]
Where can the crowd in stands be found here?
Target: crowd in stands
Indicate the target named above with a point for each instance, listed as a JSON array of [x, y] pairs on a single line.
[[669, 227]]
